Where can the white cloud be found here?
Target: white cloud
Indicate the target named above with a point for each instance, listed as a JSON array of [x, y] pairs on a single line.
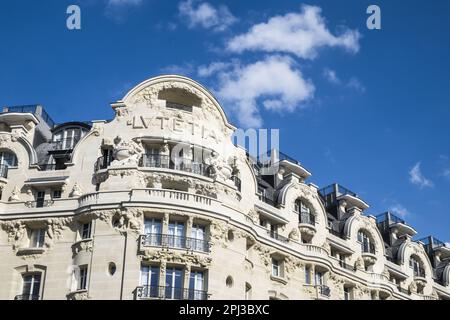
[[275, 81], [353, 83], [446, 173], [301, 34], [399, 210], [417, 178], [213, 68], [205, 15], [331, 76], [185, 69]]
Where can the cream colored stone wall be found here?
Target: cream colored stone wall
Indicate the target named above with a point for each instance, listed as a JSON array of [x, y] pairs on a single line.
[[241, 249]]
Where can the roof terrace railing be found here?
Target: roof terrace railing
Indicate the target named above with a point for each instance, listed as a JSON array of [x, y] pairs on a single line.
[[31, 109], [387, 216], [340, 190]]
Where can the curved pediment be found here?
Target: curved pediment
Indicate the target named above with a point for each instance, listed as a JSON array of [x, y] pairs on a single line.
[[179, 90]]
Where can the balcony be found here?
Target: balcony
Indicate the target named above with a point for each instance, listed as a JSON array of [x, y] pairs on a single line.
[[368, 253], [419, 274], [175, 242], [52, 167], [323, 291], [39, 203], [170, 293], [36, 110], [276, 236], [181, 164], [27, 297], [103, 163], [64, 144]]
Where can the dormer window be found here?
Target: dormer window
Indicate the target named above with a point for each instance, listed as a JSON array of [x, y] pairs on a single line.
[[416, 266], [304, 212], [67, 138], [366, 244], [7, 159]]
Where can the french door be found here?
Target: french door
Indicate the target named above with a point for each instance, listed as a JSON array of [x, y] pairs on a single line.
[[153, 231], [177, 235], [31, 287], [196, 285], [150, 281], [174, 283], [198, 237]]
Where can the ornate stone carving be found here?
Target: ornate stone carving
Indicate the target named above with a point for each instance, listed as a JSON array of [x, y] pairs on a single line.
[[253, 216], [176, 257], [83, 245], [264, 254], [126, 153], [359, 264], [413, 287], [129, 219], [76, 190], [294, 235], [15, 194], [16, 231], [78, 295]]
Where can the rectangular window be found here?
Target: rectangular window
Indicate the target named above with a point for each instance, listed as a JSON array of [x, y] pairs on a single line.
[[153, 232], [37, 238], [176, 235], [86, 230], [198, 238], [319, 278], [82, 278], [150, 281], [196, 286], [347, 293], [57, 194], [174, 283], [307, 275], [31, 287], [40, 199], [276, 268]]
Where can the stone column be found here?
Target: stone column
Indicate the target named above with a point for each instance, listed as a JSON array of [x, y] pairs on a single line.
[[187, 274], [165, 224], [189, 223]]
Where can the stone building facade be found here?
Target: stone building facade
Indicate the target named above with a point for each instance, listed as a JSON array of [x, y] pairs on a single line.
[[158, 203]]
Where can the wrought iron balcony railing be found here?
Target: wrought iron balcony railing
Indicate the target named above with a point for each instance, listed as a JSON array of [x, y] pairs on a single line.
[[4, 171], [65, 144], [307, 218], [181, 164], [323, 290], [103, 163], [177, 242], [51, 167], [171, 293], [419, 272], [276, 236], [368, 248], [27, 297]]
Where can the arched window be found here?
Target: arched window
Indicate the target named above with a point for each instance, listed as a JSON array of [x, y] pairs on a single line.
[[416, 266], [367, 246], [305, 213], [7, 159]]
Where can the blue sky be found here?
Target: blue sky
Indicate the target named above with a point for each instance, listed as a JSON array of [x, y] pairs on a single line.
[[366, 108]]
